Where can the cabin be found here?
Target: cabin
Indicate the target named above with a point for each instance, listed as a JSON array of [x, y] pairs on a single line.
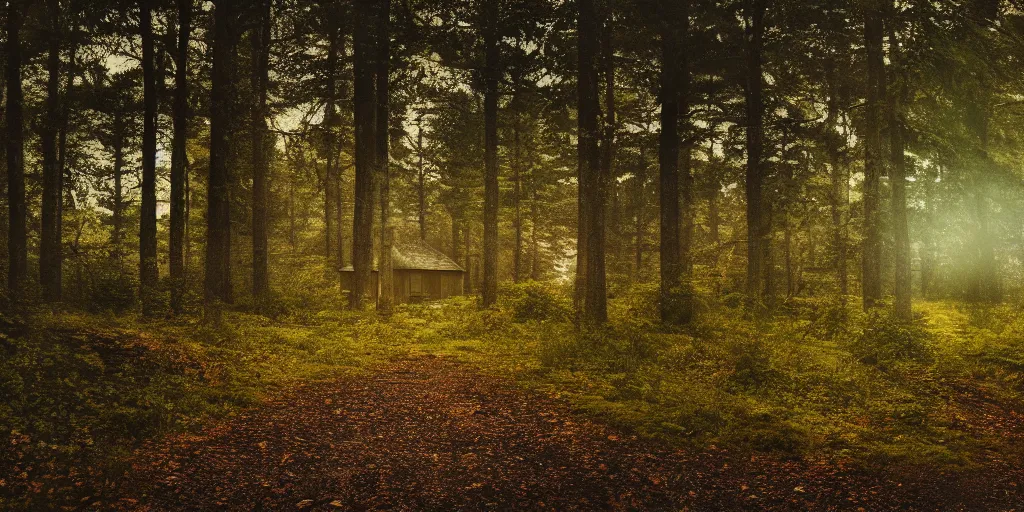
[[421, 273]]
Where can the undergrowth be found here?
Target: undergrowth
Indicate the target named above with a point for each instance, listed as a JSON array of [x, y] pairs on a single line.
[[817, 378]]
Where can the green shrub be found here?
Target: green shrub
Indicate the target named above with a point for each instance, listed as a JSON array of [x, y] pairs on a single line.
[[535, 301], [111, 289], [885, 339]]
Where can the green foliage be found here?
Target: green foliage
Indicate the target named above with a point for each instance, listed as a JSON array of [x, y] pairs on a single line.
[[534, 301], [111, 288], [884, 340]]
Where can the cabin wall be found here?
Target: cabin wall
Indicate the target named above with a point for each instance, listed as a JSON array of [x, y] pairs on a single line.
[[415, 285], [420, 285], [346, 284]]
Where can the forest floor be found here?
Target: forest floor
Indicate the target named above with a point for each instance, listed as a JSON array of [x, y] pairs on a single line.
[[445, 406], [430, 433]]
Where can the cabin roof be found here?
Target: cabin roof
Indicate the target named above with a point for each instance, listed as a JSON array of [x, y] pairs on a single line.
[[417, 255]]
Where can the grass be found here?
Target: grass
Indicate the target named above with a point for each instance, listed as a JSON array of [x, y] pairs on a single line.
[[816, 380]]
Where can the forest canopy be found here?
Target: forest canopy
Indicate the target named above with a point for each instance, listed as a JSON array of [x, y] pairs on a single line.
[[165, 151]]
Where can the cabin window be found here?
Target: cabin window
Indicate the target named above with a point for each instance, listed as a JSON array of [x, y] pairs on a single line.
[[416, 283]]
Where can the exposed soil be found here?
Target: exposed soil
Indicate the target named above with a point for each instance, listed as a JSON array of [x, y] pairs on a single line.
[[432, 434]]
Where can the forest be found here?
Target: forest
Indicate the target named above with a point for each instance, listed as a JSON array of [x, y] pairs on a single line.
[[512, 255]]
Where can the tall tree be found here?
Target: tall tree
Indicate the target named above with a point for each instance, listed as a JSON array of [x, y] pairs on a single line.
[[261, 148], [148, 273], [872, 251], [983, 280], [17, 242], [386, 301], [668, 158], [609, 122], [331, 123], [898, 178], [365, 115], [217, 281], [591, 229], [492, 74], [179, 156], [758, 220], [517, 189], [50, 236], [839, 196]]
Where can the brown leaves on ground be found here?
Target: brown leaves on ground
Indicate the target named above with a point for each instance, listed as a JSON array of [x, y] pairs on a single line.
[[431, 434]]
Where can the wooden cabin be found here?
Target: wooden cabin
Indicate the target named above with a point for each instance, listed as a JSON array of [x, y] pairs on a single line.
[[421, 273]]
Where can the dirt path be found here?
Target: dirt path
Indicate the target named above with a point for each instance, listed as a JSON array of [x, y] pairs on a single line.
[[430, 434]]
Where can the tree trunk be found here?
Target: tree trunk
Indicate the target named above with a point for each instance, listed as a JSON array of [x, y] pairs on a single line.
[[595, 310], [50, 236], [148, 272], [118, 206], [898, 181], [217, 282], [386, 301], [686, 206], [468, 280], [17, 243], [668, 159], [609, 124], [261, 148], [984, 279], [758, 220], [517, 256], [928, 248], [421, 184], [872, 257], [339, 196], [71, 71], [330, 125], [534, 239], [365, 118], [714, 215], [639, 202], [179, 156], [490, 34], [839, 200], [687, 224]]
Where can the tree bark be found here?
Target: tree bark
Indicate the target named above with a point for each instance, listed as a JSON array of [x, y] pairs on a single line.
[[365, 118], [118, 207], [179, 156], [385, 303], [928, 248], [261, 148], [50, 236], [217, 282], [758, 220], [17, 242], [421, 178], [517, 256], [339, 196], [638, 205], [668, 159], [330, 125], [492, 72], [148, 272], [839, 201], [609, 124], [983, 281], [898, 181], [468, 280], [686, 206], [595, 311], [534, 238], [872, 257]]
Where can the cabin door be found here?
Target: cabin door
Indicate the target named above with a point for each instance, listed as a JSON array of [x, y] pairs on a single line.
[[416, 284]]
